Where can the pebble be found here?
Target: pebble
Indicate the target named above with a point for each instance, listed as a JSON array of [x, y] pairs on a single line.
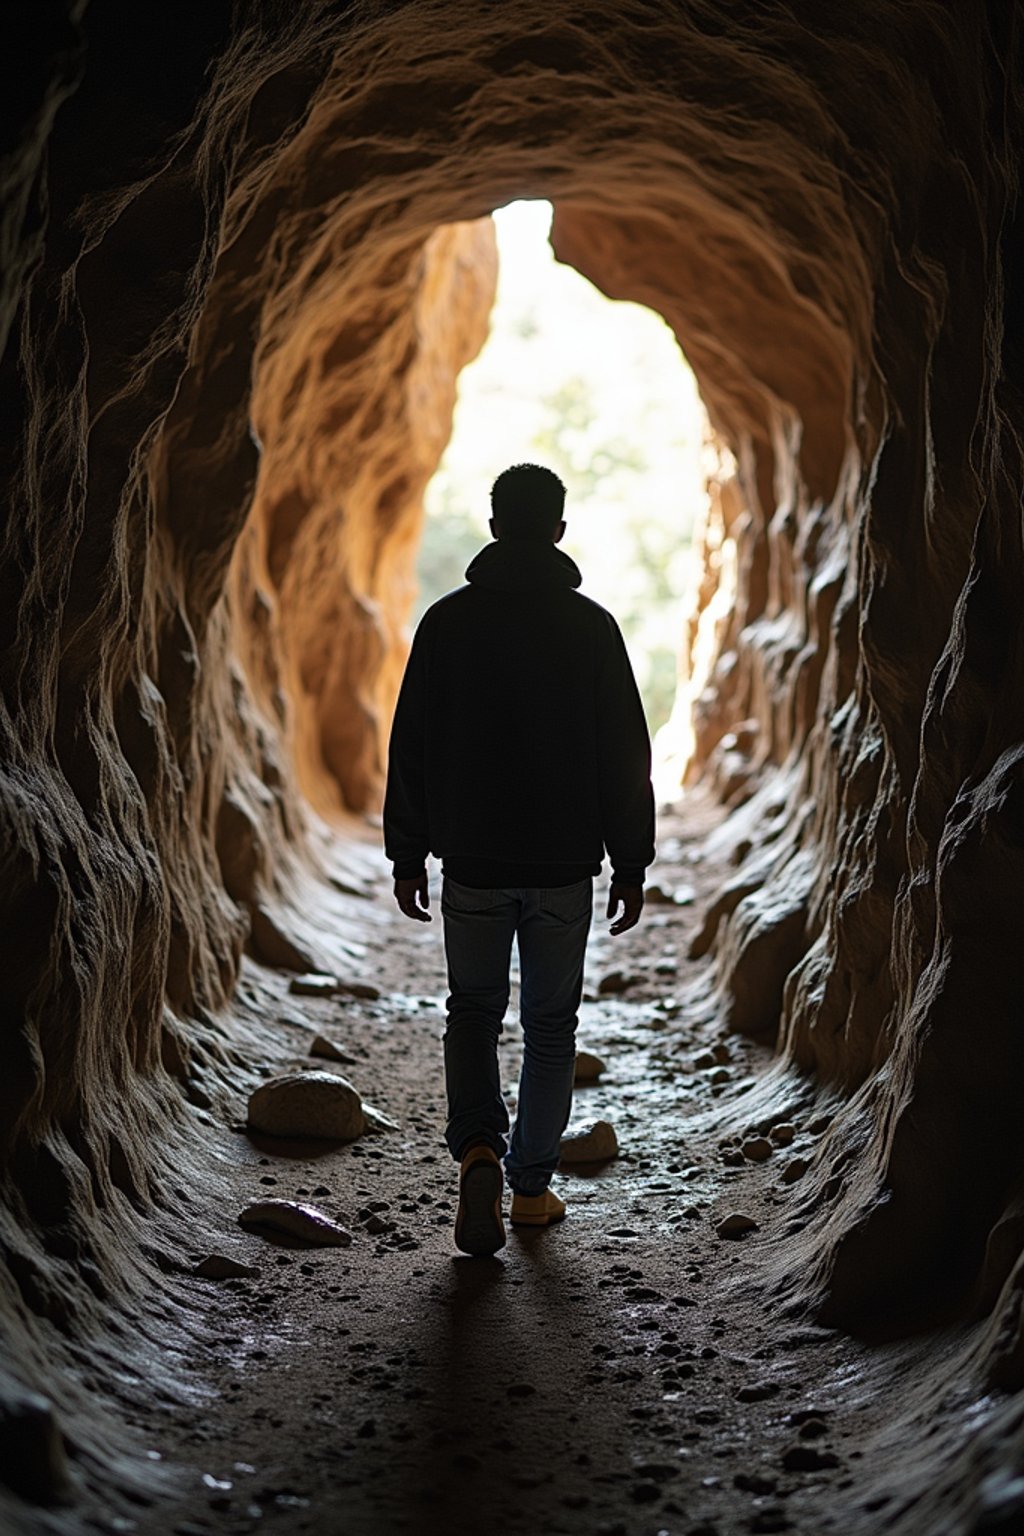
[[753, 1482], [588, 1067], [33, 1460], [321, 1046], [772, 1519], [314, 984], [375, 1225], [615, 982], [721, 1075], [736, 1224], [319, 1104], [363, 989], [782, 1135], [304, 1222], [376, 1121], [757, 1392], [808, 1458], [593, 1144], [218, 1266], [757, 1149], [795, 1169]]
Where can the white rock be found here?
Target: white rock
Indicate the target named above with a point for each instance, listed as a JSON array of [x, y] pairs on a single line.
[[314, 984], [307, 1104], [304, 1222], [594, 1144]]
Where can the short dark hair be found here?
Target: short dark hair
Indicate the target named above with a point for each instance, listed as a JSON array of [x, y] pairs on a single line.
[[527, 501]]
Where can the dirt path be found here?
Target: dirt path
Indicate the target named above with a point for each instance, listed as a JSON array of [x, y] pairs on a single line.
[[621, 1373]]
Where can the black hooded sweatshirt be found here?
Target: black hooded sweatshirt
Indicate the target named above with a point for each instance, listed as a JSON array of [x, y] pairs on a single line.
[[519, 751]]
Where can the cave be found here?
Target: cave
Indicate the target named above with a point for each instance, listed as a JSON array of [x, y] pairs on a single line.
[[248, 251]]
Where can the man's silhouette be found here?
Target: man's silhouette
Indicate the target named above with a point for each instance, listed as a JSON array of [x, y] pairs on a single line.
[[519, 754]]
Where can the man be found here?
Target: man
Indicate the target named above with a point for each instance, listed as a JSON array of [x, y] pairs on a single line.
[[519, 754]]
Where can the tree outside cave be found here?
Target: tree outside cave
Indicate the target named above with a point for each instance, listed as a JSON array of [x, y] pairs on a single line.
[[599, 392]]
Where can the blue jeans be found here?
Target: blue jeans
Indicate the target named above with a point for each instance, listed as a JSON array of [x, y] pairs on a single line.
[[479, 925]]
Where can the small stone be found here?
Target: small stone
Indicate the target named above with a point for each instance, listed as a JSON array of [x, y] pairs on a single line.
[[772, 1519], [753, 1482], [375, 1224], [313, 984], [782, 1135], [721, 1075], [808, 1458], [819, 1125], [732, 1157], [33, 1461], [376, 1121], [594, 1144], [614, 983], [321, 1046], [736, 1224], [757, 1150], [304, 1222], [704, 1061], [757, 1392], [588, 1067], [318, 1104], [721, 1053], [795, 1169], [657, 896], [219, 1266], [813, 1429], [684, 896], [363, 989]]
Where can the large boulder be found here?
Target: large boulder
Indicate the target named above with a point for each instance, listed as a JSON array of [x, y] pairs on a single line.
[[307, 1104]]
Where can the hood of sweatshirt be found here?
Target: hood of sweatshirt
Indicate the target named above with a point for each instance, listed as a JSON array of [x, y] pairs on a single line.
[[522, 565]]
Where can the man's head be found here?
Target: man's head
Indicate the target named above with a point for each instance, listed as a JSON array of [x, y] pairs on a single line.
[[527, 502]]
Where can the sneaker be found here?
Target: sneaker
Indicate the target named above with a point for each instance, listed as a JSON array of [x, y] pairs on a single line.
[[537, 1210], [479, 1228]]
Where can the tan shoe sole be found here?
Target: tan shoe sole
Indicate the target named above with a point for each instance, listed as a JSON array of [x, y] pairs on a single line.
[[479, 1229]]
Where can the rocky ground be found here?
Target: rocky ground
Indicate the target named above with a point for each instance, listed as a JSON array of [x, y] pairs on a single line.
[[626, 1372]]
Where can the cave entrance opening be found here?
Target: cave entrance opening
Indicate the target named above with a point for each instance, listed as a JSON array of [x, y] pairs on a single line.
[[598, 390]]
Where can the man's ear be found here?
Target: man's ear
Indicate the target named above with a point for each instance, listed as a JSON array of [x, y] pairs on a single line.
[[559, 533]]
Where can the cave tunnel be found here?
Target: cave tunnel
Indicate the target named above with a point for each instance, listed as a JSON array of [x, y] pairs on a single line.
[[247, 253]]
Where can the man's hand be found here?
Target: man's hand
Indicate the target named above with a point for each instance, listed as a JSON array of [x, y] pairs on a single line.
[[413, 897], [631, 899]]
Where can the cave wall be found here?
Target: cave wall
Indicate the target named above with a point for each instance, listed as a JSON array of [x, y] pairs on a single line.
[[232, 336]]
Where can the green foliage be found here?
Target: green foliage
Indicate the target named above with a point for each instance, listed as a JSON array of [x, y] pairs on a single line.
[[449, 544]]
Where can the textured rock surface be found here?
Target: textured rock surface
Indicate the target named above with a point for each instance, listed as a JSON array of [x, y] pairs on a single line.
[[307, 1104], [233, 312]]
